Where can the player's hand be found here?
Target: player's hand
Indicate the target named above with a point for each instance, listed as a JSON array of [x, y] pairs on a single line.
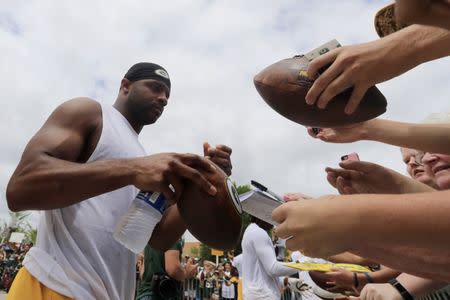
[[220, 155], [165, 172]]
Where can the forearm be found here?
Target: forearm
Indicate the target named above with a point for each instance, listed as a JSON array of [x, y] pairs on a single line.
[[408, 185], [426, 137], [179, 274], [408, 219], [267, 257], [279, 269], [351, 258], [50, 183], [418, 286], [431, 42], [380, 276], [169, 229], [418, 44], [429, 263]]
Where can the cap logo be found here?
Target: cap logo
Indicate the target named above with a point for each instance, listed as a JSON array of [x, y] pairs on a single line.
[[162, 73]]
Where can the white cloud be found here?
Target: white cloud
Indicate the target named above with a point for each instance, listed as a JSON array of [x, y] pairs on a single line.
[[52, 51]]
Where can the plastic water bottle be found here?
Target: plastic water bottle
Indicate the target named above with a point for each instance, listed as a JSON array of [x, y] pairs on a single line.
[[135, 228]]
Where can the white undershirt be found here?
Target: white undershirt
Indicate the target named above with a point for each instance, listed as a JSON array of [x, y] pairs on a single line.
[[76, 254], [260, 268]]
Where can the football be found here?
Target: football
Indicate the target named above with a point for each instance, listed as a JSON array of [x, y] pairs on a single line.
[[213, 220], [284, 85]]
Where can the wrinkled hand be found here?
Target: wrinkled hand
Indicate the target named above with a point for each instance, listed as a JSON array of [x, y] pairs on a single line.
[[379, 291], [220, 155], [360, 177], [358, 66], [344, 134], [295, 197], [302, 224], [342, 280], [156, 172]]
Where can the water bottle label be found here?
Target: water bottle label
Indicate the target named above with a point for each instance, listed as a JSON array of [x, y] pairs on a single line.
[[154, 199]]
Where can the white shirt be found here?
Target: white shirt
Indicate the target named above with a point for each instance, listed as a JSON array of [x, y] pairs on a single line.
[[75, 253], [227, 290], [260, 268]]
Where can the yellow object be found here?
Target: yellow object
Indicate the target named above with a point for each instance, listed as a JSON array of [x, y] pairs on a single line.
[[240, 294], [326, 267], [216, 252], [25, 286]]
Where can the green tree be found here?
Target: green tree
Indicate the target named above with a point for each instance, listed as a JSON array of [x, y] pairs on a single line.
[[18, 223], [205, 252], [195, 251]]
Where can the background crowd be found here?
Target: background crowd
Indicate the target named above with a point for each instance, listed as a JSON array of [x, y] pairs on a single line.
[[11, 257]]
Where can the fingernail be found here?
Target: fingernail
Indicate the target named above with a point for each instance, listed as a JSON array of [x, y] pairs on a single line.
[[348, 111], [212, 190]]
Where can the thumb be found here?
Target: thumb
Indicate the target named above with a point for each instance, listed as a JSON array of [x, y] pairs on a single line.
[[356, 165], [206, 147], [279, 214]]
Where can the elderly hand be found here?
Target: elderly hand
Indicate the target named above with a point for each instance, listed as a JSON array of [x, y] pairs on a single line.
[[220, 155]]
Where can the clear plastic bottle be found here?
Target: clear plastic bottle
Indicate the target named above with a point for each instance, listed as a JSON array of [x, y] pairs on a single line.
[[135, 228]]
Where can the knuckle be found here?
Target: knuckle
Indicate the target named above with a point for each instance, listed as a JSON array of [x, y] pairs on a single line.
[[165, 173], [172, 163], [331, 90], [320, 82], [356, 67], [347, 58], [196, 176]]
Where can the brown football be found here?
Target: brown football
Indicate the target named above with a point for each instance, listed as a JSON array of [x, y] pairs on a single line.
[[285, 84], [213, 220]]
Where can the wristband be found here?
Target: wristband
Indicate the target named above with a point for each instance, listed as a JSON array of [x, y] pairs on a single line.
[[355, 280], [401, 289], [368, 277]]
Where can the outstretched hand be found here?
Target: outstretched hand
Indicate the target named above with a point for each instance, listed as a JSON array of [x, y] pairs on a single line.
[[358, 66], [343, 134], [360, 177], [220, 155], [302, 224]]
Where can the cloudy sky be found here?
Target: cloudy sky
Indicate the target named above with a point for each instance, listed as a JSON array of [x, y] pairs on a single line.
[[51, 51]]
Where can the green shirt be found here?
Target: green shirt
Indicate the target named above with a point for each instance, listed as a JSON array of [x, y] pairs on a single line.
[[154, 263]]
